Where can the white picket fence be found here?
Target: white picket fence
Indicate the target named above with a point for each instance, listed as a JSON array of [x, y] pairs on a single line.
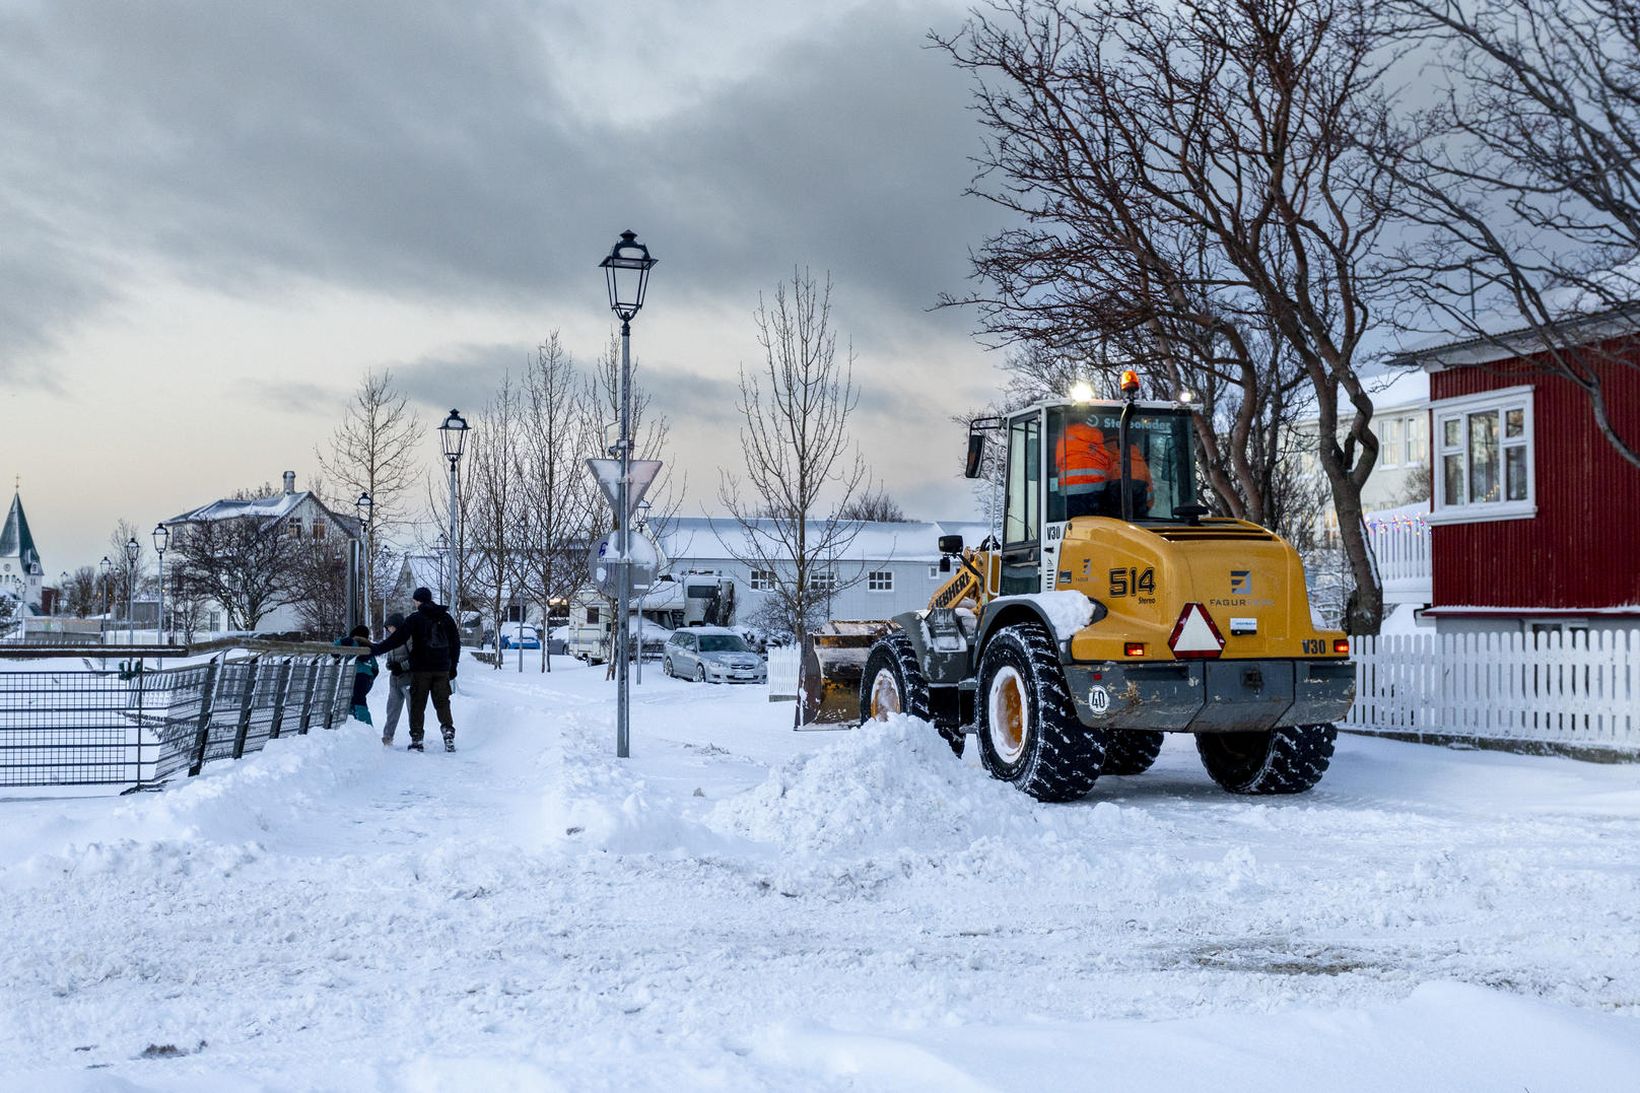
[[783, 669], [1579, 689]]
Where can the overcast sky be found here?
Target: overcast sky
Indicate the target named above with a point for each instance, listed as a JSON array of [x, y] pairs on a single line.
[[215, 218]]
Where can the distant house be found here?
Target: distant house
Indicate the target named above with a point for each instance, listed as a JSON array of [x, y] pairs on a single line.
[[1535, 518], [886, 568], [297, 514], [22, 576]]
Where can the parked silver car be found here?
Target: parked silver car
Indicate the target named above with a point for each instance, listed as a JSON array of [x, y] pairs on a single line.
[[712, 654]]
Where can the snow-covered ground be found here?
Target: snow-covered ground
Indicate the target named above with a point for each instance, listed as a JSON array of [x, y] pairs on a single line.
[[740, 906]]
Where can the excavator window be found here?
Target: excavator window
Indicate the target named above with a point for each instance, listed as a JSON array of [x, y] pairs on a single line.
[[1022, 519], [1086, 474]]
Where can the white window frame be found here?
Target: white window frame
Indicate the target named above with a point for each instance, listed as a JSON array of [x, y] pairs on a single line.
[[934, 573], [1499, 402], [762, 580], [880, 580], [1393, 439], [823, 580]]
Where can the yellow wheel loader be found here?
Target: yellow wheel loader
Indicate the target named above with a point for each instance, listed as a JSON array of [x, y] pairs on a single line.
[[1112, 610]]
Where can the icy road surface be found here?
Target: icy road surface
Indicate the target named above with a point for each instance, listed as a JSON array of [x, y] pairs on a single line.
[[744, 907]]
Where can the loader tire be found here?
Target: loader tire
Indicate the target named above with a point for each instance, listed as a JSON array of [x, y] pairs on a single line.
[[1285, 760], [1131, 751], [1029, 733], [893, 682]]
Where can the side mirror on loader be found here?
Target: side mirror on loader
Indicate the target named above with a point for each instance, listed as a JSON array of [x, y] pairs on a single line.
[[976, 456]]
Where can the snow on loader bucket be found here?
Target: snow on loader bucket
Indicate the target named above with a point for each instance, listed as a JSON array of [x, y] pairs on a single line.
[[834, 660]]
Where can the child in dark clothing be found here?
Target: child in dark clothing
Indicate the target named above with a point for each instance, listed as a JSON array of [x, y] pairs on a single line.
[[364, 672]]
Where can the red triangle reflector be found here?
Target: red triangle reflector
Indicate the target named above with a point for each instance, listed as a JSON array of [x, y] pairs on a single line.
[[1194, 635]]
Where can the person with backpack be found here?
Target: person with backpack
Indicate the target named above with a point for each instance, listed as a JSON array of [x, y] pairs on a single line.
[[435, 645], [364, 672], [398, 680]]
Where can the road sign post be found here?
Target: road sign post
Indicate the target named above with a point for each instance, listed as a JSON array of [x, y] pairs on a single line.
[[624, 481]]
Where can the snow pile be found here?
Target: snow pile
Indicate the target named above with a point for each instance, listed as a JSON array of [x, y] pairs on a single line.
[[893, 785], [594, 801]]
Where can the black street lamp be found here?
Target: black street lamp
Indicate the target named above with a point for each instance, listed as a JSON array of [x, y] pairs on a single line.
[[133, 550], [362, 506], [107, 568], [453, 436], [626, 269], [162, 540], [62, 594]]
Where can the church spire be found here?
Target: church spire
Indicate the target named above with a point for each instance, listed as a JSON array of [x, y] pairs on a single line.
[[16, 541]]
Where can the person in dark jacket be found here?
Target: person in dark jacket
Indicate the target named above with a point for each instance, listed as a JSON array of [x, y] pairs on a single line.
[[435, 645], [398, 679], [364, 672]]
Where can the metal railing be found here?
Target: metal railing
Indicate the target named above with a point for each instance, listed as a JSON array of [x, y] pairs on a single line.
[[139, 727]]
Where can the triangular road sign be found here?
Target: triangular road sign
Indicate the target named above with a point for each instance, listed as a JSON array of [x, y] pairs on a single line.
[[607, 472], [1194, 635]]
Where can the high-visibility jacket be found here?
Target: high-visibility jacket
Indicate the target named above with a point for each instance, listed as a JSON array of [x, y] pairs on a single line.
[[1082, 460]]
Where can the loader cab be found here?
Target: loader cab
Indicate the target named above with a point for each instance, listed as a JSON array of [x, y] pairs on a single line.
[[1064, 461]]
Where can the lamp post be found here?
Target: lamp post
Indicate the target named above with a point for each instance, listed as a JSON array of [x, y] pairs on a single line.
[[441, 551], [360, 573], [62, 594], [132, 550], [626, 270], [453, 435], [162, 539], [107, 568]]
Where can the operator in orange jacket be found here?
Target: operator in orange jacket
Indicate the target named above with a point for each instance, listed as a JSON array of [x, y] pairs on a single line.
[[1089, 466]]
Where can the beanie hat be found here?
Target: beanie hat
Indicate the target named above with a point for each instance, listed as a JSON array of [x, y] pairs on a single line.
[[421, 595], [395, 620]]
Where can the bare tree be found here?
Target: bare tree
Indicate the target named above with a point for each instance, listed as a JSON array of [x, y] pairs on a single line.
[[1189, 187], [802, 471], [873, 504], [125, 576], [1525, 184], [374, 451], [494, 519], [558, 496], [83, 594], [319, 586]]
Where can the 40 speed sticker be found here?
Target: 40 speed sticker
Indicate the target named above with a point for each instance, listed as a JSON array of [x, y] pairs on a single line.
[[1099, 699]]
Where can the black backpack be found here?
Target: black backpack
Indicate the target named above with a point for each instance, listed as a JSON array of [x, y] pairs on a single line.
[[438, 639]]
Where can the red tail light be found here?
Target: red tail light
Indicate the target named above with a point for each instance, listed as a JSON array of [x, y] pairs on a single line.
[[1133, 649], [1341, 646]]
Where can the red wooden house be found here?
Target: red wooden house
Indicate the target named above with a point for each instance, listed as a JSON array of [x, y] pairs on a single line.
[[1535, 516]]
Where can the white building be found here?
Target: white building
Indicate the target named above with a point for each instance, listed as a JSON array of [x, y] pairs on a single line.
[[885, 569], [297, 514], [22, 576]]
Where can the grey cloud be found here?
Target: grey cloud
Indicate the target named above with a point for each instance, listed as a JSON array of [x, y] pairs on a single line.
[[288, 396], [426, 152]]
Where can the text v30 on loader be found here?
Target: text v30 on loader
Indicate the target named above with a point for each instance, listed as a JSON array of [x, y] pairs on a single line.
[[1112, 611]]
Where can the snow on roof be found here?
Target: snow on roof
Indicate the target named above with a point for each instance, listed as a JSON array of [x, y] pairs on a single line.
[[722, 537], [229, 508], [1609, 299], [276, 507]]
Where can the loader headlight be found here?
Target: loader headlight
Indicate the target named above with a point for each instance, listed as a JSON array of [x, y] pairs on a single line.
[[1081, 391]]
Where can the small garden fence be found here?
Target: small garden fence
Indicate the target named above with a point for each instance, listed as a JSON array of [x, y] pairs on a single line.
[[139, 727], [1578, 690]]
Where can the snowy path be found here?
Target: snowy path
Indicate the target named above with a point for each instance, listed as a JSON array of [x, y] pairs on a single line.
[[828, 910]]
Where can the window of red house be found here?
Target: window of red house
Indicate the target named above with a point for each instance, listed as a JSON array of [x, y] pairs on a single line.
[[1483, 456]]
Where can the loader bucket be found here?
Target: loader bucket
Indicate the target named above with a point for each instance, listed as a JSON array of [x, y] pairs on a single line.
[[834, 659]]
